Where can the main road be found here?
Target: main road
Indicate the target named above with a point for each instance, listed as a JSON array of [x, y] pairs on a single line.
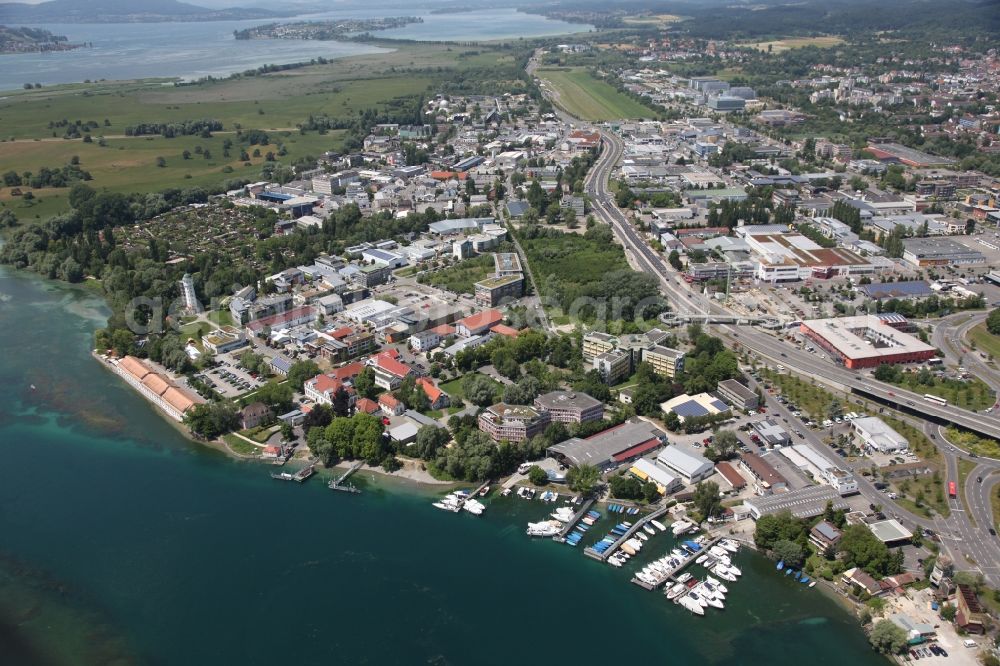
[[688, 302], [969, 544]]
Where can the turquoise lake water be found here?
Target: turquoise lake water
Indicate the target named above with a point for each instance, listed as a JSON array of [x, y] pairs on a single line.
[[123, 543]]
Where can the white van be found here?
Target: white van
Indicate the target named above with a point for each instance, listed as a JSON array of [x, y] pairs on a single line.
[[969, 643]]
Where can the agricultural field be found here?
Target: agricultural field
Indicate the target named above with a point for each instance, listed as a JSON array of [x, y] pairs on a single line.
[[779, 45], [653, 19], [589, 98]]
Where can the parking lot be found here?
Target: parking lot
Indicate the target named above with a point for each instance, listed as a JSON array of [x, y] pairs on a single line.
[[228, 378]]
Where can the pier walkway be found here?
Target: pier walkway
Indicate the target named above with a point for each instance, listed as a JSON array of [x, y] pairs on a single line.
[[576, 518], [338, 483], [602, 557], [298, 476], [670, 575]]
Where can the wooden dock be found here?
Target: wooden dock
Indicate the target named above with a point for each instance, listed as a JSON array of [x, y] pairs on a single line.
[[561, 537], [603, 557], [671, 575], [338, 483], [297, 477]]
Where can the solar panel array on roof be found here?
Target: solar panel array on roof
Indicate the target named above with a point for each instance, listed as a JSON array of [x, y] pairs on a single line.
[[897, 289], [689, 409], [718, 404]]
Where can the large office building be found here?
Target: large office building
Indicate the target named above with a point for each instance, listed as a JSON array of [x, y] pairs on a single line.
[[570, 407], [609, 354], [614, 366], [495, 291], [514, 423], [665, 361], [738, 395], [866, 341], [787, 257], [612, 447], [937, 251]]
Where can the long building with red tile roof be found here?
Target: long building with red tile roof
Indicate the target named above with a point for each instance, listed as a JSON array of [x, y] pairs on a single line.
[[156, 387]]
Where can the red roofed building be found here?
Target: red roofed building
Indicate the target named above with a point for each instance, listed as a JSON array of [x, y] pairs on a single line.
[[438, 398], [348, 372], [503, 329], [478, 323], [340, 333], [732, 477], [444, 330], [156, 387], [391, 405], [321, 389], [585, 139], [366, 406], [448, 175], [389, 372]]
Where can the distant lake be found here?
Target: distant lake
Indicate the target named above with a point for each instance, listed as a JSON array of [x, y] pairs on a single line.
[[195, 50]]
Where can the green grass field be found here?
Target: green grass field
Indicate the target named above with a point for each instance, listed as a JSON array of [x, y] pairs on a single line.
[[461, 277], [589, 98], [985, 341], [275, 103]]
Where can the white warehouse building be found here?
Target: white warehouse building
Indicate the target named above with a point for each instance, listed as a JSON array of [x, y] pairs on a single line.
[[876, 435]]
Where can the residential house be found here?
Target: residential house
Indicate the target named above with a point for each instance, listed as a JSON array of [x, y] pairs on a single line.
[[389, 371], [391, 405], [253, 415], [438, 398], [824, 535]]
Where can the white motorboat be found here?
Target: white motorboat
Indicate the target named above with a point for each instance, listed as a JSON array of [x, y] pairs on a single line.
[[723, 573], [691, 605], [718, 552], [734, 570], [505, 492], [730, 545], [684, 577], [680, 527], [717, 584], [641, 536], [475, 507], [658, 525], [724, 560], [678, 554], [563, 514], [676, 590], [714, 602], [544, 529], [648, 530], [713, 591], [701, 558], [697, 597], [444, 506], [614, 561]]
